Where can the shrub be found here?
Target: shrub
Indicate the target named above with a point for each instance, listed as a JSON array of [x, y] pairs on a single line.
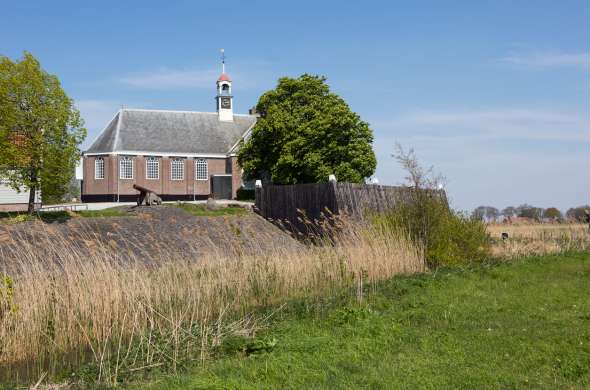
[[245, 194], [447, 237]]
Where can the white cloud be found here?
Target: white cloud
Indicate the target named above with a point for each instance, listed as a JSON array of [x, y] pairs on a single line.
[[499, 157], [495, 124], [549, 59]]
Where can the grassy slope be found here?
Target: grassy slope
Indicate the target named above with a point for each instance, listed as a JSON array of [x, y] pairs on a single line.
[[58, 216], [519, 325], [202, 211], [53, 216]]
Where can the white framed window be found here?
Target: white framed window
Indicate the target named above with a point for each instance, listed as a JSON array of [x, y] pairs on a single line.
[[201, 169], [126, 168], [98, 168], [152, 168], [177, 169]]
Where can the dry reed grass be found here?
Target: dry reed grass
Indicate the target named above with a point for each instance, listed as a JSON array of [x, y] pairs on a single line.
[[92, 304], [538, 239]]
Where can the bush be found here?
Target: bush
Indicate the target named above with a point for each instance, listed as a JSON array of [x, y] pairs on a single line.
[[446, 236], [245, 194]]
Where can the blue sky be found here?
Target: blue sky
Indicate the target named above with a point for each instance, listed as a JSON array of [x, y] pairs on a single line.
[[494, 94]]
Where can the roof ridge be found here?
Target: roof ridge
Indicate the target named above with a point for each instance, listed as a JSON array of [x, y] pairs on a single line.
[[118, 130], [178, 111]]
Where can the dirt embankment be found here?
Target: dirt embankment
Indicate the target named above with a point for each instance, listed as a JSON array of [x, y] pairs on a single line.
[[150, 233]]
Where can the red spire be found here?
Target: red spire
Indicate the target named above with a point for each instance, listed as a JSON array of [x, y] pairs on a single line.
[[223, 77]]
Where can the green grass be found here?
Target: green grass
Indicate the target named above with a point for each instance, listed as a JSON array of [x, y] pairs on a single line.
[[202, 211], [520, 325], [59, 216], [110, 212]]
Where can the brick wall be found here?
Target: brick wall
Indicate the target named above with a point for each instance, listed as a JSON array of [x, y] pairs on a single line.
[[111, 186]]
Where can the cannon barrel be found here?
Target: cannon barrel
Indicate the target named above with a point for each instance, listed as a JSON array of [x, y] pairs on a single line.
[[146, 196], [140, 188]]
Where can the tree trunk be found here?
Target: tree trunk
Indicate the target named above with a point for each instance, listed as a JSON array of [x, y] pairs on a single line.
[[32, 192], [31, 208]]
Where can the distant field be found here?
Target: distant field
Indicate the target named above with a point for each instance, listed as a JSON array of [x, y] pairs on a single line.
[[536, 230], [538, 239]]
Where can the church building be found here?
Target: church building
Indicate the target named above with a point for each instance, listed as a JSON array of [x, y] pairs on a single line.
[[180, 155]]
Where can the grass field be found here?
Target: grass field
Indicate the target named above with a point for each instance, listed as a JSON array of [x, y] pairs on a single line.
[[516, 325]]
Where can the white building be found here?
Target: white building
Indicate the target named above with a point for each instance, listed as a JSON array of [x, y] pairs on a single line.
[[11, 200]]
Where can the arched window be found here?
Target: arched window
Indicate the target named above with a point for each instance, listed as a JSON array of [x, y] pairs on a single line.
[[99, 168], [201, 169], [152, 168], [177, 169], [126, 168]]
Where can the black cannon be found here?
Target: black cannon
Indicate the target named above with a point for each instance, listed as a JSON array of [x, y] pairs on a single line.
[[147, 196]]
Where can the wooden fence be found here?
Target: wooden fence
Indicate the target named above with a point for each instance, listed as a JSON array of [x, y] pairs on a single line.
[[289, 203]]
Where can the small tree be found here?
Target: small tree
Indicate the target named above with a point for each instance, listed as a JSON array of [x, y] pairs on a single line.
[[418, 176], [447, 237], [479, 213], [488, 213], [552, 213], [304, 134], [577, 214], [509, 212], [531, 212], [40, 130], [492, 213]]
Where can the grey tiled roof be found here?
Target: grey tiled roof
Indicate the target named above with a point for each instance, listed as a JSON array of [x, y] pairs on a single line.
[[171, 132]]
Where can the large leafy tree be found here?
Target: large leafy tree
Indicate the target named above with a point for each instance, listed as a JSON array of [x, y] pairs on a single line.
[[304, 134], [40, 130]]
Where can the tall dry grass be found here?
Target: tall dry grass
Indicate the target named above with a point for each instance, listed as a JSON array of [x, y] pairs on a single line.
[[538, 239], [95, 308]]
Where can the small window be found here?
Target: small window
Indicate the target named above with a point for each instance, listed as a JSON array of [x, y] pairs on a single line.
[[126, 168], [152, 168], [99, 168], [177, 169], [201, 169]]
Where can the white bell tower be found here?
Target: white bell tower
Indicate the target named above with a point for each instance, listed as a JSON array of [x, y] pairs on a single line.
[[225, 103]]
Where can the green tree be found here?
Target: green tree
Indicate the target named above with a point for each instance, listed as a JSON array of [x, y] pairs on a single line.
[[577, 214], [528, 211], [509, 212], [304, 134], [479, 213], [552, 213], [487, 213], [40, 130]]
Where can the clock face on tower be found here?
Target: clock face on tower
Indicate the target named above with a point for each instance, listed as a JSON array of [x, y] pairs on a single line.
[[226, 102]]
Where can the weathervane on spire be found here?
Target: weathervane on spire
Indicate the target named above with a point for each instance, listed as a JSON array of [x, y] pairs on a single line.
[[222, 61]]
